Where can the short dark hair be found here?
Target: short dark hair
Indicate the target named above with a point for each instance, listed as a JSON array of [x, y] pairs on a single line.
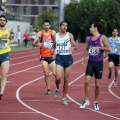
[[98, 25], [114, 29], [46, 20], [63, 22], [3, 17]]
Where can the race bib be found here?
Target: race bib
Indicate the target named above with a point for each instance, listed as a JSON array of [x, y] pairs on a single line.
[[113, 50], [48, 43], [94, 51], [3, 44], [62, 48]]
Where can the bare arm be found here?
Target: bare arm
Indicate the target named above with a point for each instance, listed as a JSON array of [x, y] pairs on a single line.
[[36, 42], [53, 36], [85, 52], [105, 44], [73, 42], [11, 40]]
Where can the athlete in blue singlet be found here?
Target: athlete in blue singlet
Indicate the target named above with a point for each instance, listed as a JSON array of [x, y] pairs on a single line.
[[113, 56]]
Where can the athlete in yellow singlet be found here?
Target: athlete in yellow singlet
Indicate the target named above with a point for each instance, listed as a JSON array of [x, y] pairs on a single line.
[[5, 42]]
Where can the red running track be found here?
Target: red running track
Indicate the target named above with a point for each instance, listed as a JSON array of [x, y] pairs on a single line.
[[24, 94]]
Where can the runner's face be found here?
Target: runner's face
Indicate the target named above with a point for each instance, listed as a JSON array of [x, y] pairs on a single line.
[[92, 29], [115, 32], [46, 26], [2, 22], [63, 27]]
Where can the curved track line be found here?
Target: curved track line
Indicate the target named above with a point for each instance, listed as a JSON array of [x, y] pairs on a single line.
[[92, 109], [87, 107], [110, 86], [18, 98]]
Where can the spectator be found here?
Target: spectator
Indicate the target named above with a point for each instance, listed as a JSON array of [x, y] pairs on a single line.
[[26, 38]]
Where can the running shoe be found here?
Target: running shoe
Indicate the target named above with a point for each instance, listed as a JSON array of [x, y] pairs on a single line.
[[85, 103], [48, 92], [56, 93], [109, 76], [115, 83], [96, 107], [64, 102]]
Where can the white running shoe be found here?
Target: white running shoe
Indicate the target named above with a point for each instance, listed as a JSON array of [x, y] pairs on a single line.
[[85, 103], [96, 107]]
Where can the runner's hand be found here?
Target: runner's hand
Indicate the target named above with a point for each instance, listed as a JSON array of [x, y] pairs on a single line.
[[52, 51], [83, 61]]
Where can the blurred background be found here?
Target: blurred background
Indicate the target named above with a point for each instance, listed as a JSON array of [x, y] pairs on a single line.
[[28, 15]]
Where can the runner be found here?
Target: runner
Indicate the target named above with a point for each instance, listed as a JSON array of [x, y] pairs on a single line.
[[47, 59], [5, 40], [64, 59], [96, 45], [113, 56]]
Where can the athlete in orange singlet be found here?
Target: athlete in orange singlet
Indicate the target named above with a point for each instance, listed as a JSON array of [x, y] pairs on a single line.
[[44, 41]]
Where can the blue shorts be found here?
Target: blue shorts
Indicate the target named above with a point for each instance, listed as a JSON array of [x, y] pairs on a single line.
[[64, 60], [4, 57], [47, 59]]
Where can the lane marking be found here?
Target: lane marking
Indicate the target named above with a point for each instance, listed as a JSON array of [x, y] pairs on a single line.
[[87, 107], [110, 86]]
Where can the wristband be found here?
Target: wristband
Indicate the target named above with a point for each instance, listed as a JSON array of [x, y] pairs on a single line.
[[83, 59]]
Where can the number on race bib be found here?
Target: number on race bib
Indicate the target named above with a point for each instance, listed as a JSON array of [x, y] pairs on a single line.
[[3, 44], [113, 50], [94, 51], [48, 43], [62, 48]]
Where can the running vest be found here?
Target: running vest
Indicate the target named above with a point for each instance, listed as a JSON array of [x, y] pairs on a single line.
[[95, 54], [47, 43], [63, 44], [4, 41], [115, 46]]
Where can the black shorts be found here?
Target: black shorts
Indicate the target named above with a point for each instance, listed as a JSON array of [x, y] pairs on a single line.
[[47, 59], [64, 60], [94, 68], [114, 58]]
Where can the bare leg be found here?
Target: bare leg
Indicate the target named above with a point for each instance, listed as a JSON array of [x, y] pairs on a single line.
[[116, 72], [66, 77], [58, 75], [46, 73], [5, 68], [87, 87], [97, 89]]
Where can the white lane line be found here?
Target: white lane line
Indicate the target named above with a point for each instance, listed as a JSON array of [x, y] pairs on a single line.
[[23, 70], [18, 112], [92, 109], [110, 86], [23, 52], [23, 62], [31, 68], [18, 98], [24, 56], [87, 107]]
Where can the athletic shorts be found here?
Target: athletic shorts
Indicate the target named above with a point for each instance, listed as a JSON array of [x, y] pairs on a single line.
[[4, 57], [114, 58], [64, 60], [94, 68], [47, 59]]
